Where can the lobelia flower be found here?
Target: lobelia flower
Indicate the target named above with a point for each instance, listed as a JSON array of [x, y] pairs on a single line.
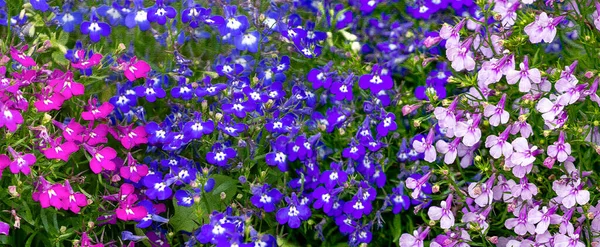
[[447, 116], [133, 171], [400, 202], [521, 126], [230, 24], [450, 150], [443, 213], [220, 154], [127, 211], [75, 200], [68, 19], [499, 145], [138, 16], [452, 34], [9, 117], [19, 56], [416, 239], [496, 114], [327, 199], [294, 213], [560, 150], [64, 84], [58, 150], [546, 217], [461, 56], [522, 158], [522, 224], [49, 100], [482, 192], [543, 28], [524, 189], [356, 151], [377, 81], [493, 70], [469, 130], [480, 218], [157, 188], [388, 124], [417, 184], [278, 157], [361, 203], [551, 109], [150, 91], [248, 42], [571, 193], [334, 177], [266, 198], [135, 69], [87, 242], [160, 12], [131, 137], [21, 162], [95, 28], [102, 158], [40, 5], [524, 76], [426, 146]]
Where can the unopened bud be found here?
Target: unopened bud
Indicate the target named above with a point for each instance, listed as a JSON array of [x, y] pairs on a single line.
[[510, 207], [590, 215], [12, 190], [223, 195], [218, 116], [435, 188], [342, 132], [91, 224], [493, 239], [63, 229], [416, 123], [547, 133]]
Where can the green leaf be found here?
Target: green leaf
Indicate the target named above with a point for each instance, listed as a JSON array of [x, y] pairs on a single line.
[[59, 58], [184, 217]]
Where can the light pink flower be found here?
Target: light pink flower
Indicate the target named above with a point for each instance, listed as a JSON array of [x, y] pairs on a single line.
[[446, 116], [525, 76], [426, 146], [482, 192], [461, 56], [443, 213], [543, 28], [417, 184], [452, 34], [560, 150], [551, 109], [450, 150], [499, 145], [469, 130], [496, 114]]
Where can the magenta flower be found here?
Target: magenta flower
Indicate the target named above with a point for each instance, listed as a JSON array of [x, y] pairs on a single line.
[[4, 162], [524, 77], [72, 132], [128, 211], [75, 200], [131, 137], [97, 135], [20, 162], [461, 56], [52, 195], [20, 57], [443, 213], [10, 118], [135, 69], [48, 100], [102, 158], [426, 146], [560, 150], [543, 28], [496, 114], [60, 151], [499, 145], [469, 130], [83, 63], [64, 84], [414, 240], [450, 150], [133, 171], [97, 112], [4, 228], [417, 185]]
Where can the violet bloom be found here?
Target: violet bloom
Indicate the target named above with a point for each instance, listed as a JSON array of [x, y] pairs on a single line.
[[543, 28], [414, 240], [417, 185], [496, 114], [546, 217], [400, 202], [571, 193], [469, 130], [570, 239], [482, 192], [294, 213], [157, 187], [220, 155], [377, 81], [94, 28], [522, 158], [19, 56], [443, 213], [450, 150], [21, 162], [462, 56], [452, 34], [499, 145], [266, 198], [447, 116], [160, 12], [522, 224], [560, 150], [426, 146], [388, 124], [75, 200], [4, 228], [524, 189], [524, 77]]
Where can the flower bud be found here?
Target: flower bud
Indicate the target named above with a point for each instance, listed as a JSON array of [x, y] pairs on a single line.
[[493, 239], [218, 116], [223, 195], [342, 132], [590, 215], [12, 190], [91, 224], [510, 207], [435, 188], [63, 229]]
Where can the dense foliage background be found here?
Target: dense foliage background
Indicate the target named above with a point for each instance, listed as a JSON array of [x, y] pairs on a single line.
[[299, 123]]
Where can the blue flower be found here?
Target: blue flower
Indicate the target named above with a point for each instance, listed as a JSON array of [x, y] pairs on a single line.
[[68, 20], [114, 13], [196, 128], [294, 213], [220, 154], [184, 198], [194, 14], [150, 91], [248, 41], [278, 156], [157, 189], [399, 200], [40, 5], [334, 177], [160, 12], [139, 17], [266, 198], [151, 216], [95, 29]]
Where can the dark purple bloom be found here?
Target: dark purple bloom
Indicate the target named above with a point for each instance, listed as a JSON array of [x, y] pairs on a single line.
[[399, 200], [184, 198], [220, 155], [378, 80], [334, 177], [95, 28], [294, 213], [278, 157], [160, 12], [266, 198], [157, 188]]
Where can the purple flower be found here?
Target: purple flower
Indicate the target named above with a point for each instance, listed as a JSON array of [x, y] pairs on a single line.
[[220, 155], [524, 189], [450, 150], [560, 150], [356, 151], [378, 80], [386, 125], [443, 213], [482, 192], [68, 20], [570, 239], [9, 117], [447, 116], [543, 28], [21, 162], [400, 202], [525, 76], [95, 28], [294, 213], [361, 203], [522, 224], [342, 90], [469, 130], [156, 187], [196, 128], [160, 12], [499, 145], [248, 41], [461, 56], [571, 193], [184, 198], [417, 185], [138, 16], [496, 114], [334, 177], [40, 5], [426, 146], [416, 239], [266, 198], [522, 158]]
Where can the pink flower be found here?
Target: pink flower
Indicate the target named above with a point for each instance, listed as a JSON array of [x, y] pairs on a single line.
[[525, 76], [20, 162], [560, 150], [426, 146], [97, 135], [524, 189], [4, 162], [507, 11], [416, 185], [64, 84], [596, 16], [443, 213], [522, 224], [97, 112], [482, 192], [53, 195], [20, 57], [571, 193], [102, 158], [545, 217], [461, 56], [135, 69], [522, 158], [48, 100], [446, 116], [449, 150], [497, 114], [571, 239], [551, 109], [133, 171], [543, 28], [469, 130], [493, 70], [414, 240], [132, 137], [75, 200], [60, 151], [499, 145], [521, 126], [128, 211], [590, 92], [86, 64], [451, 34], [72, 131]]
